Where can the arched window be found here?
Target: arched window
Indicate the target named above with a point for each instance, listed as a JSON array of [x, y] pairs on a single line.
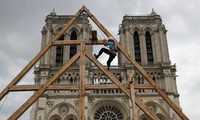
[[161, 117], [149, 48], [140, 81], [73, 48], [59, 53], [137, 47], [144, 117], [55, 117], [108, 112], [71, 117]]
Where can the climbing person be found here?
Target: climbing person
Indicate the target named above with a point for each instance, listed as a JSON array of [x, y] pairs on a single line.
[[112, 51]]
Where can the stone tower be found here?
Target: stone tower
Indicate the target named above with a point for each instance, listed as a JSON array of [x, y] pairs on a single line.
[[144, 37]]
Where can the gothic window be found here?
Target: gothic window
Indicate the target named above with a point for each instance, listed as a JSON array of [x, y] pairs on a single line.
[[137, 47], [151, 106], [71, 117], [161, 117], [140, 81], [108, 112], [154, 78], [55, 117], [63, 109], [149, 48], [59, 53], [145, 117], [71, 80], [73, 48]]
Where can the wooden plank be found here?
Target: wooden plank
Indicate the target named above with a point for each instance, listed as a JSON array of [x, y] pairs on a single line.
[[70, 87], [38, 56], [82, 83], [42, 89], [141, 105], [78, 42], [17, 88], [139, 68], [68, 42], [114, 86]]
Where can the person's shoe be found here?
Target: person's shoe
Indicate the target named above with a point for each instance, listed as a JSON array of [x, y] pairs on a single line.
[[95, 56], [108, 68]]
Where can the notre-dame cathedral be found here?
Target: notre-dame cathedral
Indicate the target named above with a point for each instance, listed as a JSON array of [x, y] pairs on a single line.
[[144, 37]]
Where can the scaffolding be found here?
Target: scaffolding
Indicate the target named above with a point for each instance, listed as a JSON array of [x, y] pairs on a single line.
[[82, 54]]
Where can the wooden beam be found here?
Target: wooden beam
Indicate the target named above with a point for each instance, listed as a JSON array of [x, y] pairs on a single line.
[[38, 56], [141, 105], [82, 82], [133, 100], [114, 86], [70, 87], [78, 42], [16, 88], [42, 89]]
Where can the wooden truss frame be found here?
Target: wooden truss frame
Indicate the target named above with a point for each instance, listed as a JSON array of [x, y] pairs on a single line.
[[128, 89]]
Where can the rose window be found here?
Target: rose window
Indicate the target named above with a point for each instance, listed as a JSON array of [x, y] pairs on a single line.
[[63, 109], [108, 112]]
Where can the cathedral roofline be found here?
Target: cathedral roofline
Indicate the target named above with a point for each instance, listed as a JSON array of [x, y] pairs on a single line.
[[62, 19], [144, 17], [141, 17]]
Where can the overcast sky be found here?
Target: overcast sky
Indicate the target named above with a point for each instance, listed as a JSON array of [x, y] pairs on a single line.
[[22, 20]]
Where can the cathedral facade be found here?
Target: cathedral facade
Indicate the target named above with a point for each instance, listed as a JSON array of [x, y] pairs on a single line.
[[144, 37]]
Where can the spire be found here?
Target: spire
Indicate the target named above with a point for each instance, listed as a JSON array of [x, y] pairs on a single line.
[[53, 12], [153, 12]]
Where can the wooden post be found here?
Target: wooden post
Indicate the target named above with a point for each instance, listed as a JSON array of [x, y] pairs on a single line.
[[132, 89], [82, 82]]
